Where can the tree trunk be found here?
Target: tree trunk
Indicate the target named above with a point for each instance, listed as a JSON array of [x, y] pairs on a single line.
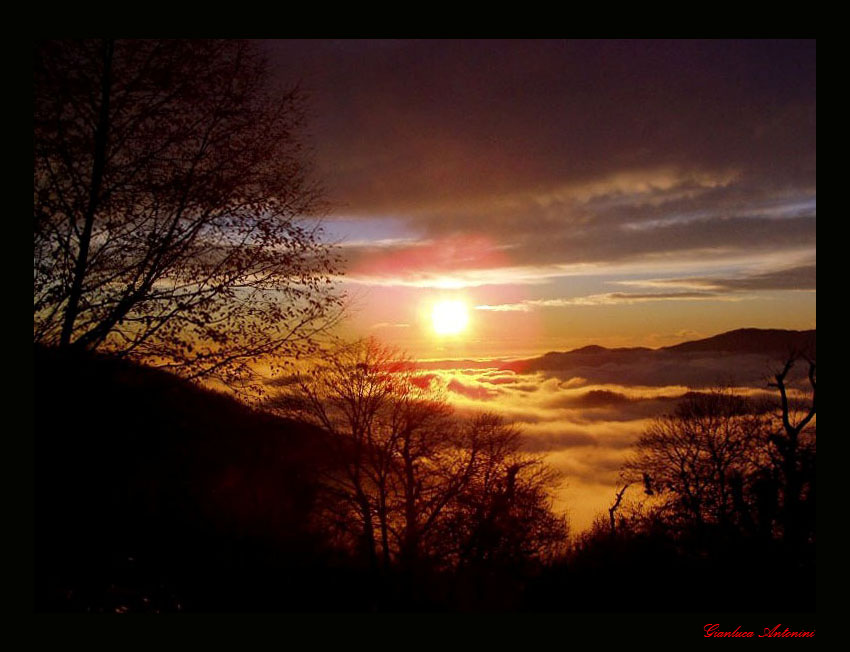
[[383, 518], [368, 534], [98, 164]]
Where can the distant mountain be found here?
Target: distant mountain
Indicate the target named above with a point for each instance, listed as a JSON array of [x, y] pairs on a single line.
[[595, 348], [746, 355], [752, 340], [764, 343], [588, 355], [746, 341]]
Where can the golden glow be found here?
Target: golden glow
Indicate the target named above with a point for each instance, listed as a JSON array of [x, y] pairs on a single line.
[[449, 317]]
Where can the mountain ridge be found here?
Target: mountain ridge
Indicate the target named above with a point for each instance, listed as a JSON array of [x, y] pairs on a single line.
[[741, 344], [737, 340]]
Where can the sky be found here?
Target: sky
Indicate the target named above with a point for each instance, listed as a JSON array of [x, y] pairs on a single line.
[[618, 193], [569, 192]]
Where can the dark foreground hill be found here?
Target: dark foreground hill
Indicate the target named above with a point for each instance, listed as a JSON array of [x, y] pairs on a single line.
[[154, 494]]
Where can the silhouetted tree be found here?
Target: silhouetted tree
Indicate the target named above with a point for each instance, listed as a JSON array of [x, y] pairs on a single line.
[[503, 515], [694, 462], [359, 393], [793, 447], [169, 180], [618, 499], [416, 486], [729, 463], [729, 492]]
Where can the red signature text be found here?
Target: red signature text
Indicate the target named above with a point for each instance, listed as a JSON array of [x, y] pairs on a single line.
[[713, 630]]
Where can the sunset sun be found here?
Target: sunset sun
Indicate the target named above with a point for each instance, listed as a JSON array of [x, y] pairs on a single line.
[[449, 317]]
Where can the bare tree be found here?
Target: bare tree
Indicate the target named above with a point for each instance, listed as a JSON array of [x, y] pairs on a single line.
[[692, 461], [725, 461], [169, 187], [413, 484], [793, 448], [612, 511], [351, 394], [504, 514]]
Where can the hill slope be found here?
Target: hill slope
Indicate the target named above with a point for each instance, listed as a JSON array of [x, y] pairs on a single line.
[[155, 494]]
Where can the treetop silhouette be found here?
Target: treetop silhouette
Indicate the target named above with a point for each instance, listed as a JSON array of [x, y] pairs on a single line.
[[169, 186]]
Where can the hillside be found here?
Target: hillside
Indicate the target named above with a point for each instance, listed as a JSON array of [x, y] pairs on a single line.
[[145, 482]]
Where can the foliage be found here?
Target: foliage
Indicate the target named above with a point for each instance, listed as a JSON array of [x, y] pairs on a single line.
[[169, 187]]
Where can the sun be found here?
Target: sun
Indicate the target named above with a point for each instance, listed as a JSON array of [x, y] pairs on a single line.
[[449, 317]]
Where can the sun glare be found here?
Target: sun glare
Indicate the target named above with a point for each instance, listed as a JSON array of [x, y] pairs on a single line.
[[449, 317]]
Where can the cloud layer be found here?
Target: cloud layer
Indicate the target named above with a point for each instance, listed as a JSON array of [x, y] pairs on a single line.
[[508, 161], [585, 410]]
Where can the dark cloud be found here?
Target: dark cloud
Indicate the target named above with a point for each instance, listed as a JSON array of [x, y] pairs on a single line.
[[710, 288], [707, 239], [600, 398], [803, 277], [526, 387], [657, 296], [422, 120], [563, 152]]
